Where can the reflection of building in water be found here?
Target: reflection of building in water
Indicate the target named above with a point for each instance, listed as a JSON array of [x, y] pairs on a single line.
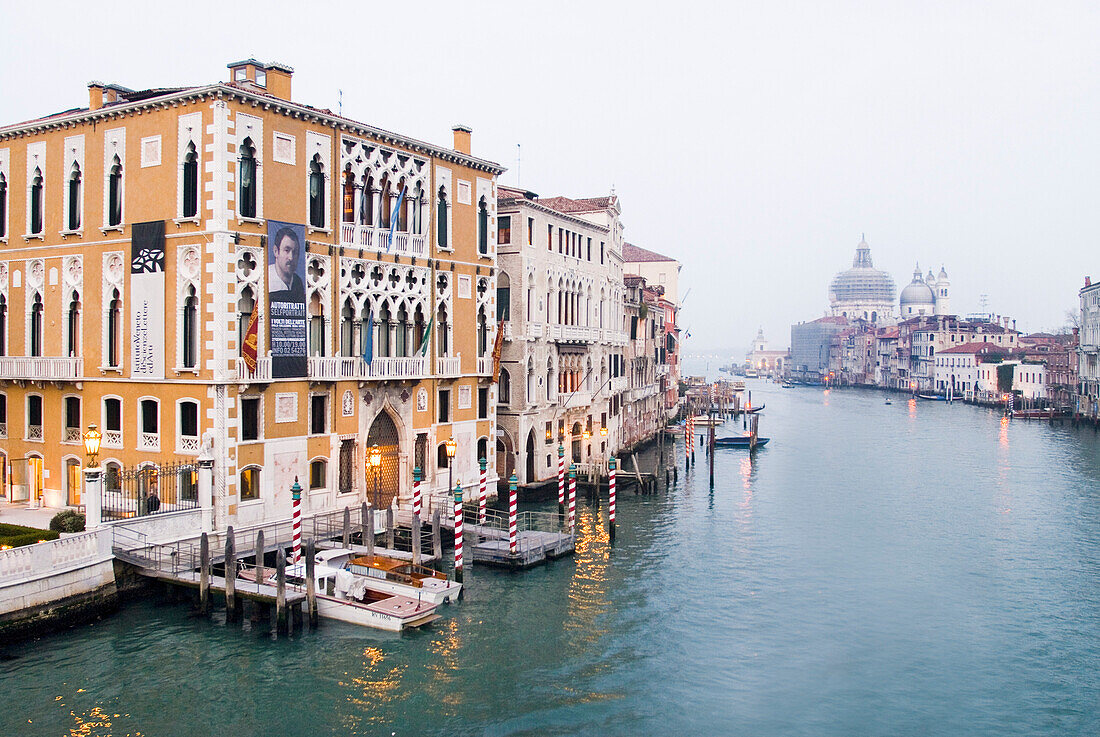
[[167, 194]]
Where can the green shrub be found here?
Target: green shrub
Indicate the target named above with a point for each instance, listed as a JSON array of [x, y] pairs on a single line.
[[15, 536], [67, 520]]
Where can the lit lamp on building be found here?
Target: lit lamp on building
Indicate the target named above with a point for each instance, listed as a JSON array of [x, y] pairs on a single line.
[[603, 440], [452, 448], [587, 438], [375, 460], [93, 479], [93, 438]]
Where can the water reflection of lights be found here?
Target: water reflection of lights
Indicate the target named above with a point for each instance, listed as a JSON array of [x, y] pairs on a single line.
[[95, 721], [379, 683], [912, 408], [746, 473], [588, 599]]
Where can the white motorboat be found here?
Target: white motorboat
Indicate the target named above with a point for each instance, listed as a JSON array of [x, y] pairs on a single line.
[[344, 596], [394, 576]]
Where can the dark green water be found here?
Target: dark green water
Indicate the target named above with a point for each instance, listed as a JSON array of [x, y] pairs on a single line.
[[876, 570]]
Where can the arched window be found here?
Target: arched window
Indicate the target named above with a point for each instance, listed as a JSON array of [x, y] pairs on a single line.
[[190, 182], [402, 333], [249, 487], [347, 329], [441, 456], [316, 193], [190, 329], [366, 325], [441, 219], [366, 202], [247, 165], [483, 449], [72, 326], [505, 387], [441, 325], [386, 205], [383, 346], [482, 332], [549, 379], [349, 195], [246, 304], [36, 326], [403, 208], [3, 207], [36, 202], [530, 396], [418, 330], [418, 210], [316, 325], [189, 425], [114, 328], [482, 227], [74, 198], [34, 417], [3, 325], [114, 193]]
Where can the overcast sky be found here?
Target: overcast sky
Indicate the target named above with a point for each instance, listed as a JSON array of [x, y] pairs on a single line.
[[754, 142]]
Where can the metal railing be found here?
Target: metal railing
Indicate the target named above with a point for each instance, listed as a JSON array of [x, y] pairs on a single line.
[[137, 492]]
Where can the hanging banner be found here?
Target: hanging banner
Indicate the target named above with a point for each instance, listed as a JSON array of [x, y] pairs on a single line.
[[147, 301], [286, 298]]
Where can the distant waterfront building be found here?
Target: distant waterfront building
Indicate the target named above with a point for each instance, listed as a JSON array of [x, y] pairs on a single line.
[[929, 295], [765, 360], [863, 292], [810, 347], [662, 272], [1088, 368], [564, 366]]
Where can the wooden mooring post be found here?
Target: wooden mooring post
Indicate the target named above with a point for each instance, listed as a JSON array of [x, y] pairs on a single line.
[[204, 573], [368, 529], [347, 527], [311, 584], [259, 558], [416, 539], [280, 593], [231, 601], [437, 536], [389, 528]]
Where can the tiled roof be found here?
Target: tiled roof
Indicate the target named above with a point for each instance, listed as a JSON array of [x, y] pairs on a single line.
[[569, 205], [983, 348], [636, 254]]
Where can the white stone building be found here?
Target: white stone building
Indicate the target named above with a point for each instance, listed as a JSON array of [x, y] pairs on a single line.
[[1088, 368], [863, 292], [563, 368]]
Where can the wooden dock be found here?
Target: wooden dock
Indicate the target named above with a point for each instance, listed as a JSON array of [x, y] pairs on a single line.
[[532, 546], [250, 590]]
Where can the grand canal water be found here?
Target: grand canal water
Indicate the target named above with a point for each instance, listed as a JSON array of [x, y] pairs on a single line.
[[914, 569]]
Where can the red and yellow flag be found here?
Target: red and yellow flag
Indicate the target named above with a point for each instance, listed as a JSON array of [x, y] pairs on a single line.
[[251, 338], [498, 346]]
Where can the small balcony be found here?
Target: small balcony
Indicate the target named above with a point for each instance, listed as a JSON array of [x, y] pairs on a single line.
[[619, 384], [112, 439], [574, 400], [378, 239], [149, 441], [485, 366], [262, 372], [534, 330], [34, 432], [73, 436], [336, 368], [507, 327], [448, 366], [41, 368]]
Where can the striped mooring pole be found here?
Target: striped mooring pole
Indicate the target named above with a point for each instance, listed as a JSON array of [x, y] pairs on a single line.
[[513, 483], [458, 532], [611, 464], [481, 493], [296, 495], [417, 500], [561, 478], [572, 495]]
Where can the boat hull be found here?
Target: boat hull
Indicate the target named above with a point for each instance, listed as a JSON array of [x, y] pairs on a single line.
[[738, 442], [367, 615]]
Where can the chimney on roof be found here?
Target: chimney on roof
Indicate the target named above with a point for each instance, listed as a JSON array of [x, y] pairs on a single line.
[[95, 96], [274, 78], [462, 138]]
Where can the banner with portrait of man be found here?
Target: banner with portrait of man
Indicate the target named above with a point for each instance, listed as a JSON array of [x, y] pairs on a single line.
[[286, 299]]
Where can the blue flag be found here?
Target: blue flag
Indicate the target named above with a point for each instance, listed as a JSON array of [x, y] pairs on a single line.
[[368, 339], [393, 217]]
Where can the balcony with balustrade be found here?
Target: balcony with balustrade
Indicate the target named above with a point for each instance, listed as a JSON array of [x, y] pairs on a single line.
[[619, 384], [378, 239], [448, 366], [41, 368], [336, 368], [484, 365]]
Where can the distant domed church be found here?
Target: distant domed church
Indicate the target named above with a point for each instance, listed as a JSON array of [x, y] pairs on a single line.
[[929, 295], [863, 292]]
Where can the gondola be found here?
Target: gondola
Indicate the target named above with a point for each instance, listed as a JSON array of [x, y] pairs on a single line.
[[739, 441]]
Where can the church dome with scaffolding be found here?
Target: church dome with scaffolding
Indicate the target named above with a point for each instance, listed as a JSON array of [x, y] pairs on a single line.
[[863, 292]]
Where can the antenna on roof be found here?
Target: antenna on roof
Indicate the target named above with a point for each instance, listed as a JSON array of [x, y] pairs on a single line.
[[340, 104], [519, 165]]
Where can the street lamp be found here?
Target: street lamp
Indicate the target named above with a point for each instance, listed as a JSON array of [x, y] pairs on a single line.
[[452, 448], [376, 464], [92, 439]]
